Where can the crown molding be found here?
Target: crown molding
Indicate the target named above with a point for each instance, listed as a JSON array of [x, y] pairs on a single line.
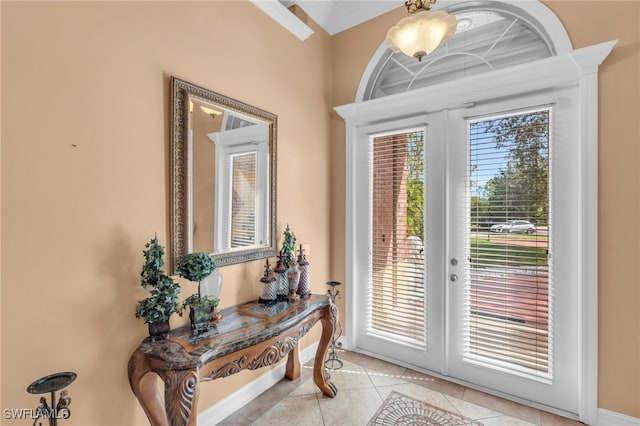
[[283, 16]]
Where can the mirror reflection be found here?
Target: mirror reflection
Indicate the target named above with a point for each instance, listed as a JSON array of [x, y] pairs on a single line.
[[223, 176]]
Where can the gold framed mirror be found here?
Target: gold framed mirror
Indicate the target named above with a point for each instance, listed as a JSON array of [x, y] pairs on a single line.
[[223, 168]]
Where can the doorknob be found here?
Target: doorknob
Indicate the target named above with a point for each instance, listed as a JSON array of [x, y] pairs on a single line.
[[454, 261], [453, 278]]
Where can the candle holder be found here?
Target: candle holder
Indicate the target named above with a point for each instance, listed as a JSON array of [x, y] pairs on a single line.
[[332, 362], [53, 383]]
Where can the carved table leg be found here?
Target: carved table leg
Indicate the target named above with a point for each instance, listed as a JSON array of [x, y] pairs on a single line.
[[320, 376], [143, 383], [181, 396], [293, 364]]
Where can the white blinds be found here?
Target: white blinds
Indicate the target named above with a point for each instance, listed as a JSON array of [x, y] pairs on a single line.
[[396, 269], [508, 296], [242, 231]]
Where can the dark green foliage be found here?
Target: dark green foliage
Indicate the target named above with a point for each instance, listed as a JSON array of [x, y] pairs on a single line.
[[196, 266], [288, 246], [153, 262], [164, 291], [519, 191], [415, 184], [206, 304]]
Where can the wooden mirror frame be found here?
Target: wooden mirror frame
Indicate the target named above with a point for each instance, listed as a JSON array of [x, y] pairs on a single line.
[[181, 241]]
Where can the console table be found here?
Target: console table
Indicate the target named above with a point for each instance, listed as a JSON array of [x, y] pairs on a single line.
[[248, 336]]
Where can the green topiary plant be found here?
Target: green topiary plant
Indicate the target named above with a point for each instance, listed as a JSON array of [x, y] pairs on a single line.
[[196, 266], [164, 291]]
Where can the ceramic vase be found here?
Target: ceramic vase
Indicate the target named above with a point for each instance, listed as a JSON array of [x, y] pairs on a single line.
[[159, 330]]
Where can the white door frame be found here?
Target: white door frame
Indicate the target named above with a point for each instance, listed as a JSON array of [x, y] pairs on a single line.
[[578, 67]]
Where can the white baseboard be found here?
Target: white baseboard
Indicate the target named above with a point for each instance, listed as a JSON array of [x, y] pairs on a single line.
[[611, 418], [229, 405]]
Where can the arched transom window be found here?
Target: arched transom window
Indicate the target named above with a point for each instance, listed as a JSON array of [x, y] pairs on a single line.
[[489, 36]]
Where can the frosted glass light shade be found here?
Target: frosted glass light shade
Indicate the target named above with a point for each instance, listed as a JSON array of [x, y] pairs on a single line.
[[419, 34]]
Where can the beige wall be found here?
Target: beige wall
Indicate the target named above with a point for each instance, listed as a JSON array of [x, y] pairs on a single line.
[[85, 159], [85, 154], [588, 23]]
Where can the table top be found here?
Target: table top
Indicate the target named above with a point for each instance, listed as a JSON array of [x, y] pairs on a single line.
[[241, 326]]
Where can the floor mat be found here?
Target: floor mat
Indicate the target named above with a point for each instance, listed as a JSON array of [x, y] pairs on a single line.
[[402, 410]]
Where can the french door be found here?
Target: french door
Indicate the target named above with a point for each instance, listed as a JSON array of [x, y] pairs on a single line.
[[467, 259]]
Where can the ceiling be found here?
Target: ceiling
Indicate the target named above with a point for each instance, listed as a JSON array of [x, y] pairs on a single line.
[[335, 16]]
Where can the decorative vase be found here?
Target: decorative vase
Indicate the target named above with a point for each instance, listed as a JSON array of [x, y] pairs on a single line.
[[282, 283], [211, 285], [200, 317], [293, 277], [159, 330], [269, 285], [304, 285]]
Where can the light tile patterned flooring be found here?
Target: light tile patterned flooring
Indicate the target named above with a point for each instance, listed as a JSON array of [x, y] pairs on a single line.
[[363, 384]]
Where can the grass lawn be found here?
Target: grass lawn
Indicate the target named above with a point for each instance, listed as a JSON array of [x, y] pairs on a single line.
[[486, 253], [510, 236]]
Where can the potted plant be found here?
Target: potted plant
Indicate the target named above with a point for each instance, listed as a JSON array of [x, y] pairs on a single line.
[[157, 308], [197, 267]]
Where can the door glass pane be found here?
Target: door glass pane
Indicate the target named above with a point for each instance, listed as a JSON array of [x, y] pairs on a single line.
[[396, 270], [508, 289]]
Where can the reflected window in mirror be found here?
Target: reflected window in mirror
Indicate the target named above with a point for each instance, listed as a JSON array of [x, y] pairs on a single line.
[[242, 196], [223, 176]]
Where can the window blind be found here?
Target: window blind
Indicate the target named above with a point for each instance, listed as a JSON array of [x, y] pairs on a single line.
[[509, 289], [396, 269], [242, 231]]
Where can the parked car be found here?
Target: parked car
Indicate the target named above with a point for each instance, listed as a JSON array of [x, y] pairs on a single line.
[[516, 226]]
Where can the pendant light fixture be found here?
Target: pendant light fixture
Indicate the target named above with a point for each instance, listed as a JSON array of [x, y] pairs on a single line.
[[420, 33]]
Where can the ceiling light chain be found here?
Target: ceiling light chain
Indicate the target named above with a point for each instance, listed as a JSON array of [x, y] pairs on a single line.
[[414, 5]]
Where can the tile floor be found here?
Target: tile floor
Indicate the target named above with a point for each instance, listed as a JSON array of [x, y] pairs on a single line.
[[363, 384]]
